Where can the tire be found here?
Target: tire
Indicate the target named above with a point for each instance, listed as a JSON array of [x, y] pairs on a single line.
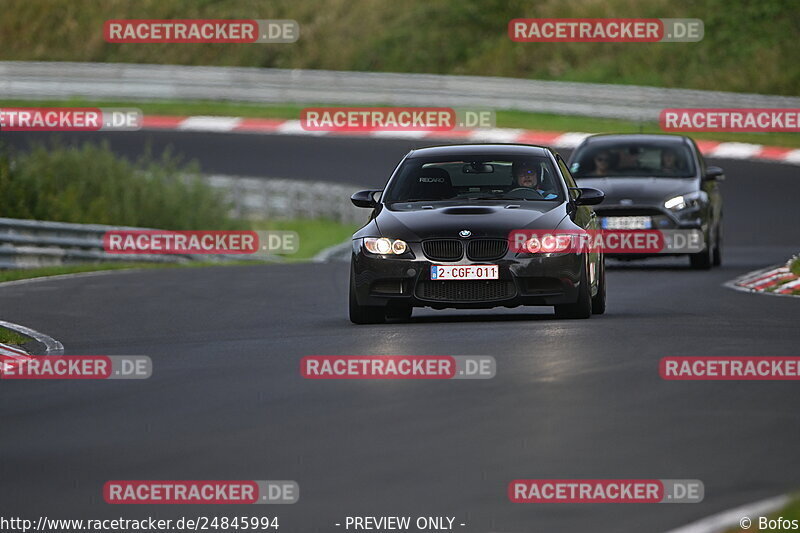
[[582, 308], [704, 259], [717, 258], [399, 312], [599, 300], [364, 314]]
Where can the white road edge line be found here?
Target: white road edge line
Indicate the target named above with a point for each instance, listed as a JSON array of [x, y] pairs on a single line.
[[52, 346], [332, 251], [720, 522]]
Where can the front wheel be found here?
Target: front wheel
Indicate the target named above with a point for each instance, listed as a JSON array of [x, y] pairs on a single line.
[[364, 314], [704, 259], [717, 260], [582, 308]]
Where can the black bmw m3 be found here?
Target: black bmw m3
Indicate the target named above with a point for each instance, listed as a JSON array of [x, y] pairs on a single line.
[[438, 235]]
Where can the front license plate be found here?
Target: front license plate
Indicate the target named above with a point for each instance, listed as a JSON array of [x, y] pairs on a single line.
[[449, 272], [627, 223]]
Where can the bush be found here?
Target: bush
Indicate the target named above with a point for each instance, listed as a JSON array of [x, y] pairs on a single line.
[[90, 184], [794, 266], [748, 46]]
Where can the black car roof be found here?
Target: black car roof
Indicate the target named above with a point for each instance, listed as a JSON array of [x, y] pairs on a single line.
[[449, 150], [637, 137]]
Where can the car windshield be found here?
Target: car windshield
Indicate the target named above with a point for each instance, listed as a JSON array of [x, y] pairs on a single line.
[[475, 179], [654, 159]]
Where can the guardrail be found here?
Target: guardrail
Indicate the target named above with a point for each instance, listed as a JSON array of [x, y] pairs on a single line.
[[41, 243], [270, 198], [36, 243], [142, 82]]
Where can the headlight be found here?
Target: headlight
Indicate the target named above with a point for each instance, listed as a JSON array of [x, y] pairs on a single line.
[[384, 246], [676, 204], [399, 247], [548, 244], [685, 201]]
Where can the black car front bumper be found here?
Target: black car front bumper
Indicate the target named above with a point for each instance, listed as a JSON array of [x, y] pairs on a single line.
[[661, 219], [541, 279]]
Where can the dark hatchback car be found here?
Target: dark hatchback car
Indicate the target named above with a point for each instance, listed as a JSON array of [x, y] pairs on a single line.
[[438, 235], [654, 182]]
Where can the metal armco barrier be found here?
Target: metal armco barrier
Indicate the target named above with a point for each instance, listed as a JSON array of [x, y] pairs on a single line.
[[269, 198], [38, 243], [140, 82]]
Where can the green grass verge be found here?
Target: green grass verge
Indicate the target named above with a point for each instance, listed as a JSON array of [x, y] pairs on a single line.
[[546, 122], [747, 47], [505, 118], [9, 337], [790, 512], [26, 273], [315, 235]]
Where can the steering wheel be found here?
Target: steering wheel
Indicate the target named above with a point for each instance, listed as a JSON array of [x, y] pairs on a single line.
[[527, 190]]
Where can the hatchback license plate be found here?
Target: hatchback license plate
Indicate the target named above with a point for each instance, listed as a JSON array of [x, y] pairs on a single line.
[[451, 272], [627, 223]]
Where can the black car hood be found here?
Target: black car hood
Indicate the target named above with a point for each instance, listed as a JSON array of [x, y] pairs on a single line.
[[482, 220], [640, 190]]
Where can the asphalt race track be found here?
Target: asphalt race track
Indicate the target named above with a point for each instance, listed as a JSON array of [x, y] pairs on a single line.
[[571, 399]]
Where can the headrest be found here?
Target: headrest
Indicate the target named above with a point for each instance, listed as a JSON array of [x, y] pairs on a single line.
[[434, 184]]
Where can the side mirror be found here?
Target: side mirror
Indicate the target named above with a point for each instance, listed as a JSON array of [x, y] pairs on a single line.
[[714, 174], [365, 198], [586, 195]]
